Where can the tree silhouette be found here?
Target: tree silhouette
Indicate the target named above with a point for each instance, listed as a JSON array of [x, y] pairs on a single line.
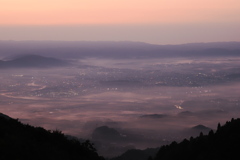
[[221, 145], [24, 142]]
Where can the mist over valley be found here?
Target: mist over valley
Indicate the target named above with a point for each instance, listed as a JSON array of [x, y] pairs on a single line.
[[121, 95]]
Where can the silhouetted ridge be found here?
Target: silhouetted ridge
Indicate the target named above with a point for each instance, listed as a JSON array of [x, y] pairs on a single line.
[[23, 142], [224, 144], [201, 127], [29, 61], [4, 116], [105, 133]]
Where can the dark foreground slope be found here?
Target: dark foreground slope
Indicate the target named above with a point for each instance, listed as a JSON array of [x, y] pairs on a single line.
[[136, 154], [224, 144], [24, 142]]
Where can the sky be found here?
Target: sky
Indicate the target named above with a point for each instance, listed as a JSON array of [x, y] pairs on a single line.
[[155, 21]]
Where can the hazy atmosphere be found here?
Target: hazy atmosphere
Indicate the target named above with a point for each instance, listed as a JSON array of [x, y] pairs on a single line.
[[125, 74], [121, 95], [156, 21]]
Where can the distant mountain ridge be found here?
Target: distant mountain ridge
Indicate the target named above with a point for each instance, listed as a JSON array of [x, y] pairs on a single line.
[[201, 127], [32, 61], [121, 49], [106, 133], [155, 116]]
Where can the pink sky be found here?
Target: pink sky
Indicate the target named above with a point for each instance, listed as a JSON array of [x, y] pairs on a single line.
[[140, 13]]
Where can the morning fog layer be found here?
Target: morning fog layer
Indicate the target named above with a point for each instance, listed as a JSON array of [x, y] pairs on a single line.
[[149, 101]]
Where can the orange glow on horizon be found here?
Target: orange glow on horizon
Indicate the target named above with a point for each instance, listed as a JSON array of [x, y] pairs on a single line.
[[53, 12]]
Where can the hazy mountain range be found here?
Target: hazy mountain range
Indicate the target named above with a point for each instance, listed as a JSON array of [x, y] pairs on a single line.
[[81, 49], [121, 95]]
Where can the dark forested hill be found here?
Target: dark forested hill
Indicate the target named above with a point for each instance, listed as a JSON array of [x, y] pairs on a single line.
[[224, 144], [135, 154], [24, 142], [32, 61]]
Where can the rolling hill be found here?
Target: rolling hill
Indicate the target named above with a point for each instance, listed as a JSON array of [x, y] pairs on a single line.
[[32, 61]]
